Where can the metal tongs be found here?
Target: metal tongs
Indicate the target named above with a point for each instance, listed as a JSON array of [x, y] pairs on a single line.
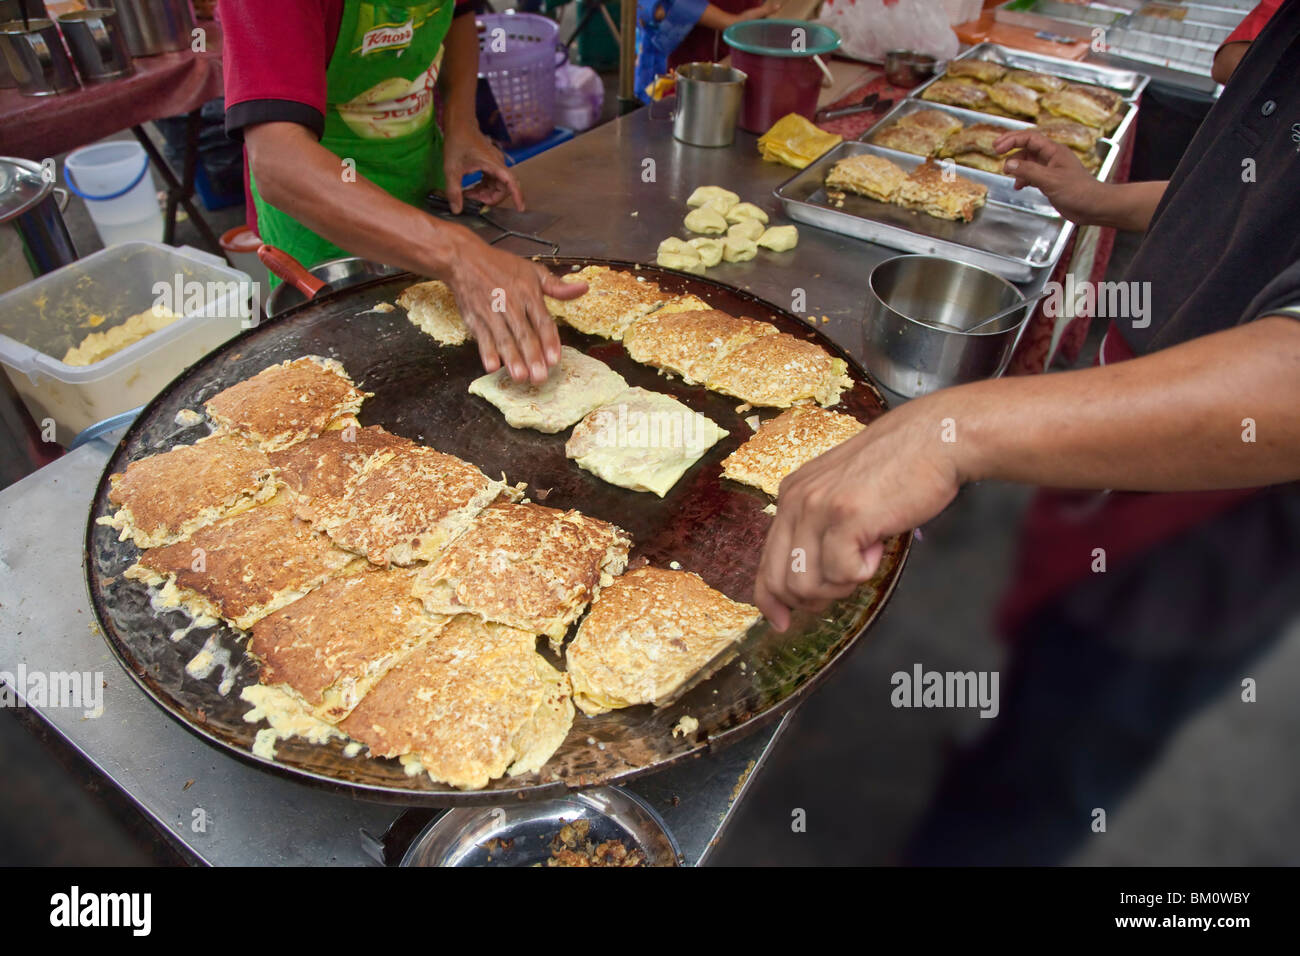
[[474, 207], [870, 104]]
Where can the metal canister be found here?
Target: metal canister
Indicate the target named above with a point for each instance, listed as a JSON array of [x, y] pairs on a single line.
[[96, 43], [153, 26], [34, 239], [708, 103], [36, 58]]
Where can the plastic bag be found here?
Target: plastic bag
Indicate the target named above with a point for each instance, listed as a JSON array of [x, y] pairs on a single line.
[[579, 96], [872, 28]]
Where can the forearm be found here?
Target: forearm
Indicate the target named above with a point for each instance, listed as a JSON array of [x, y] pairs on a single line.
[[460, 73], [300, 177], [1127, 206], [1175, 420], [715, 18]]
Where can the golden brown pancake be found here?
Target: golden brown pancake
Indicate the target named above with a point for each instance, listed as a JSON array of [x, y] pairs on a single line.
[[527, 566], [964, 93], [244, 567], [1078, 137], [1041, 82], [405, 506], [473, 704], [867, 175], [431, 307], [164, 498], [781, 370], [287, 403], [934, 121], [909, 139], [975, 138], [647, 634], [574, 387], [610, 304], [691, 344], [934, 193], [318, 472], [985, 71], [786, 443], [1015, 99], [332, 645]]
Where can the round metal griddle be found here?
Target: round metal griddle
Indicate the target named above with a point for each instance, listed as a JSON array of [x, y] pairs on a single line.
[[708, 525]]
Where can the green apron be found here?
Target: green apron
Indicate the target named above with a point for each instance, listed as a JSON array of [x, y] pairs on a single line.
[[379, 112]]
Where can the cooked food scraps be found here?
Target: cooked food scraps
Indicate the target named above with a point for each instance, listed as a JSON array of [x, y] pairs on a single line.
[[642, 440], [165, 498], [287, 403], [97, 346], [935, 192], [526, 566], [612, 302], [867, 175], [431, 307], [781, 370], [330, 647], [242, 568], [318, 472], [406, 506], [471, 705], [571, 848], [649, 633], [786, 443], [575, 386], [690, 344]]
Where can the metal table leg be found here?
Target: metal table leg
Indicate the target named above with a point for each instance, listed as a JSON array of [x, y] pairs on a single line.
[[181, 192]]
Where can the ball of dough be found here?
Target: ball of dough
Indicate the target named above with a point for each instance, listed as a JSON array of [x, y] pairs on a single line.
[[779, 238], [712, 194], [749, 229], [739, 250], [745, 210], [706, 221], [710, 250], [678, 254]]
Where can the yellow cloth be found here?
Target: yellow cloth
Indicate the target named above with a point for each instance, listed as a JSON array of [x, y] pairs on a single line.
[[795, 141]]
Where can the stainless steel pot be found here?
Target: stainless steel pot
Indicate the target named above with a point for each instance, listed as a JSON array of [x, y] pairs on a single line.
[[336, 273], [908, 296], [96, 43], [36, 57], [34, 238], [708, 104], [152, 26]]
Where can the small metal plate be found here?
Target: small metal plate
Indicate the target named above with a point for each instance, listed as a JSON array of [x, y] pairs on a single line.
[[1006, 236], [711, 526], [520, 834]]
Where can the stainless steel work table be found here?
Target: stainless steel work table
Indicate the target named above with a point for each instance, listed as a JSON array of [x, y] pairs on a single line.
[[616, 192]]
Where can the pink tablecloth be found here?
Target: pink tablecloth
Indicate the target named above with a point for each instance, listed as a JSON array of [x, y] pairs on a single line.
[[165, 85]]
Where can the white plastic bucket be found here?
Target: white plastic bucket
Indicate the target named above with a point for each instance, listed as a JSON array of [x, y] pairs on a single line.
[[113, 179]]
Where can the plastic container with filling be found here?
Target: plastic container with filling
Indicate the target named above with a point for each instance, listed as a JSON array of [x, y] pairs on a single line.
[[41, 320], [780, 59]]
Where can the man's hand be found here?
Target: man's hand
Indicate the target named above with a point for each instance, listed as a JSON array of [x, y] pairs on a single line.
[[769, 9], [465, 150], [834, 513], [1056, 171], [500, 298]]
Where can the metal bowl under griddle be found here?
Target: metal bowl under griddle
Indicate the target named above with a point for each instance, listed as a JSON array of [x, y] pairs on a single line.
[[711, 526], [338, 274]]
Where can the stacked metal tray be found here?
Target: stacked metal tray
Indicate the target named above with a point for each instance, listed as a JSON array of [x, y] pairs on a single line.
[[1132, 33], [1016, 234]]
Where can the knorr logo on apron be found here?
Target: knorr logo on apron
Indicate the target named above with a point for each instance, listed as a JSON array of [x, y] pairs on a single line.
[[395, 105]]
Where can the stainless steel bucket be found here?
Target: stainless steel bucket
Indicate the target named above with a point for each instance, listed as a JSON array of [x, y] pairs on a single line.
[[152, 26], [36, 58], [708, 104], [908, 296], [34, 239], [96, 43]]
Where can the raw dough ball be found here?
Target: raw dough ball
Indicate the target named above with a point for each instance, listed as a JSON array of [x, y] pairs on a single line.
[[710, 250], [779, 238], [749, 229], [678, 254], [745, 210], [713, 194], [739, 250], [706, 221]]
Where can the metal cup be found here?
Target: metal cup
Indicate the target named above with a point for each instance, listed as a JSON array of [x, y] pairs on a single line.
[[36, 57], [153, 26], [708, 104], [96, 43]]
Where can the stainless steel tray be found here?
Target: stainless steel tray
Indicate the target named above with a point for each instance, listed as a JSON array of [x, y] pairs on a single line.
[[1005, 237], [1127, 83], [1109, 149]]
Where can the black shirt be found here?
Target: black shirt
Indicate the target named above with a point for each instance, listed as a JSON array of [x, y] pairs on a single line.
[[1224, 245]]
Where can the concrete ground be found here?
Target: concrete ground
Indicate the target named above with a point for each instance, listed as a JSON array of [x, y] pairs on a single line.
[[1226, 791]]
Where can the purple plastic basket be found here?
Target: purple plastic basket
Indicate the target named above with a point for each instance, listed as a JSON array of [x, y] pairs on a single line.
[[518, 54]]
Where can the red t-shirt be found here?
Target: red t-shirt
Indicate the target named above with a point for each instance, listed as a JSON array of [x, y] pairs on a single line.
[[1249, 28]]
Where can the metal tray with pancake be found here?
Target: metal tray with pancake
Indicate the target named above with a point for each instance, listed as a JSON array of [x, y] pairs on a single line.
[[1108, 148], [708, 525], [1010, 235]]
